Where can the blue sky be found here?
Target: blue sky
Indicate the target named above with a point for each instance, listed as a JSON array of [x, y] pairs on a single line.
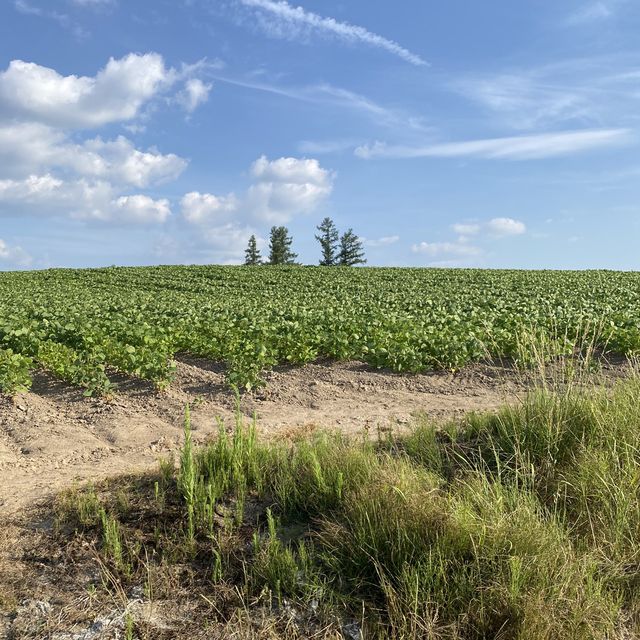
[[490, 134]]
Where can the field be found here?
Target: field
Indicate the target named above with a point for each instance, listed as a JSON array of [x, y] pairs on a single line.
[[345, 453], [82, 326]]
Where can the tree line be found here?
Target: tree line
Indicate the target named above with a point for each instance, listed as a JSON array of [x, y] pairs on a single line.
[[344, 250]]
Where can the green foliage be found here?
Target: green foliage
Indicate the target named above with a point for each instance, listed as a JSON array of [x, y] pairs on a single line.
[[521, 524], [15, 376], [280, 247], [82, 325]]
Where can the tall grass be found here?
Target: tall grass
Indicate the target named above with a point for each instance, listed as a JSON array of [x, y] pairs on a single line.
[[521, 524]]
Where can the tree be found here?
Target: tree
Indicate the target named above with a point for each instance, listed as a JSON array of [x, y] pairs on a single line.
[[280, 246], [328, 240], [252, 253], [351, 250]]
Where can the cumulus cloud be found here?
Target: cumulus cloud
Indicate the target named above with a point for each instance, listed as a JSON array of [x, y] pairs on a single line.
[[228, 241], [14, 255], [47, 170], [81, 199], [279, 19], [205, 208], [29, 148], [280, 190], [286, 187], [140, 208], [470, 246], [116, 93], [502, 227], [120, 161]]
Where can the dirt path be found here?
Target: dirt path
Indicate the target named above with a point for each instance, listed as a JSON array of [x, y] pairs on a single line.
[[52, 436]]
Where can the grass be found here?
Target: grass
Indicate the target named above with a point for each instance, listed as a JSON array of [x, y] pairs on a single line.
[[521, 524]]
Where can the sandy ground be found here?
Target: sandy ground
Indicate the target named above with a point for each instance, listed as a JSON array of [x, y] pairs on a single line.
[[52, 436]]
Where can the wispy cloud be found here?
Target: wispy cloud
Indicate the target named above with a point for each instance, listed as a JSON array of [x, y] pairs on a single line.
[[326, 94], [582, 92], [531, 147], [327, 146], [26, 8], [384, 241], [280, 19], [93, 3], [593, 12]]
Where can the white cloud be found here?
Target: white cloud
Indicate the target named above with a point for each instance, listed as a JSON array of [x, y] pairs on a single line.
[[14, 256], [45, 170], [29, 148], [140, 208], [281, 20], [281, 189], [437, 249], [506, 227], [466, 228], [32, 92], [384, 241], [462, 253], [530, 147], [286, 187], [97, 200], [119, 161], [33, 187], [194, 94], [290, 170], [205, 208], [228, 241]]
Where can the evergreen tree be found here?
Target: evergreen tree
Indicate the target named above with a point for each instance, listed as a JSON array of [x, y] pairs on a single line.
[[328, 240], [280, 246], [252, 255], [351, 250]]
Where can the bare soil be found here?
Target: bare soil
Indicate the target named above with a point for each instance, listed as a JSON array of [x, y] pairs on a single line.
[[53, 436]]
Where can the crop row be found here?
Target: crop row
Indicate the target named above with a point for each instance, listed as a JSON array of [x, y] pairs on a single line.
[[82, 325]]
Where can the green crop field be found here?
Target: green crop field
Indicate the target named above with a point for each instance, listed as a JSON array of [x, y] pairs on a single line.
[[84, 325]]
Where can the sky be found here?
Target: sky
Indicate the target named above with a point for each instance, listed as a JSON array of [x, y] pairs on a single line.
[[492, 134]]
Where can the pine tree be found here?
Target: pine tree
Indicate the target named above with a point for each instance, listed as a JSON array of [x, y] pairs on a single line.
[[328, 240], [280, 246], [252, 255], [351, 250]]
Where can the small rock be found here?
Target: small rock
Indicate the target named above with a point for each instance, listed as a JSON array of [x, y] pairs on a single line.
[[352, 631]]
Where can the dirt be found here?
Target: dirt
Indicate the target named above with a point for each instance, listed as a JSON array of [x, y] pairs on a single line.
[[53, 436]]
